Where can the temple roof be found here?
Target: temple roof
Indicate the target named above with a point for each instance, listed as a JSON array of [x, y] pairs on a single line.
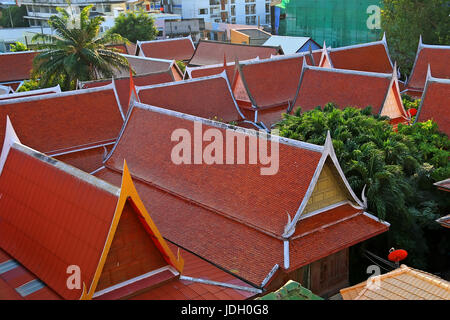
[[172, 49]]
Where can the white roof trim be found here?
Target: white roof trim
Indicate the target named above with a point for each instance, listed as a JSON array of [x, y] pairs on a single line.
[[354, 72], [360, 45], [133, 280], [10, 139], [221, 284], [58, 95], [269, 275], [371, 216], [55, 89], [19, 52], [117, 98], [330, 207], [166, 40], [147, 58], [286, 254]]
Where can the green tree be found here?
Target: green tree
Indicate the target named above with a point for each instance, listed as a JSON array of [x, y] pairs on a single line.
[[405, 20], [398, 170], [76, 52], [15, 15], [18, 46], [135, 26]]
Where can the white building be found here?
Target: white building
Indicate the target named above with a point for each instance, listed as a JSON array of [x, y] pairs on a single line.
[[40, 11], [249, 12]]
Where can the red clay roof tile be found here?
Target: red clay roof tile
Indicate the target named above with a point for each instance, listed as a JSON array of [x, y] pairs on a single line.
[[57, 122], [16, 65], [435, 104], [209, 97], [370, 57], [437, 57], [172, 49], [212, 52], [123, 85], [320, 86]]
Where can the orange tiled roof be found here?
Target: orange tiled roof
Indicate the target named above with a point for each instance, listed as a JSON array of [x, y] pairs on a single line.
[[320, 86], [122, 85], [233, 216], [271, 82], [54, 216], [172, 49], [144, 65], [370, 57], [208, 97], [437, 57], [435, 103], [404, 283], [212, 52], [16, 66], [67, 121]]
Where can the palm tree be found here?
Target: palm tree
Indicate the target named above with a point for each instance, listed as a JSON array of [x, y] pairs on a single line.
[[76, 51]]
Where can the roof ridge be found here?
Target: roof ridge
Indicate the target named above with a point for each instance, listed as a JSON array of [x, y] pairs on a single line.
[[209, 122], [359, 45], [75, 172], [354, 72], [174, 83], [164, 40], [146, 58], [274, 58]]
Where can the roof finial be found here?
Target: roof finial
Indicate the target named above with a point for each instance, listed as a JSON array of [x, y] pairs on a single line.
[[394, 70], [420, 41], [363, 196], [384, 37], [9, 140], [429, 76], [328, 142], [224, 61]]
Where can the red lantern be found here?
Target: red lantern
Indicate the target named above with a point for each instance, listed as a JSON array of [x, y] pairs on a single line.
[[397, 255], [413, 112]]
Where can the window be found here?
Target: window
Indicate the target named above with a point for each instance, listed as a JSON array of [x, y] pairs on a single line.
[[267, 8], [94, 9], [53, 10], [107, 7], [233, 10], [233, 20], [250, 8], [267, 18], [203, 11]]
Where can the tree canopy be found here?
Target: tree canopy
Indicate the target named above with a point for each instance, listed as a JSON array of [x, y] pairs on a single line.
[[398, 170], [405, 20], [135, 26], [14, 14], [76, 51]]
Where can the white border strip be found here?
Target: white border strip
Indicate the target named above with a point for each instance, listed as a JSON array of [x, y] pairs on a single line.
[[221, 284], [133, 280]]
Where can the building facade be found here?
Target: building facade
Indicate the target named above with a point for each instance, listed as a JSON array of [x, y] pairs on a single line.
[[249, 12], [40, 11]]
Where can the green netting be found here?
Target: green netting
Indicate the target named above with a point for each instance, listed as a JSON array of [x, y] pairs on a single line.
[[338, 22]]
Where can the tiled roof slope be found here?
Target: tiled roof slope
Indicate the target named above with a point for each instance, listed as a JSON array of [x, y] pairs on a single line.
[[144, 65], [370, 57], [437, 57], [210, 70], [65, 121], [435, 104], [205, 184], [271, 82], [172, 49], [54, 216], [233, 213], [319, 86], [212, 52], [122, 85], [208, 97], [16, 65], [404, 283]]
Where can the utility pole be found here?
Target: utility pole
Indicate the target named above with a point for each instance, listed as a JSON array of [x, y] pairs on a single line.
[[10, 18]]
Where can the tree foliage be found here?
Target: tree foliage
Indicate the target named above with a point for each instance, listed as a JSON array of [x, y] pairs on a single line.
[[76, 51], [18, 46], [135, 26], [405, 20], [14, 13], [398, 170]]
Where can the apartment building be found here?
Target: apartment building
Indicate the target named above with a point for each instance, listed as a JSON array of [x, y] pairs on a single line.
[[40, 11], [249, 12]]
